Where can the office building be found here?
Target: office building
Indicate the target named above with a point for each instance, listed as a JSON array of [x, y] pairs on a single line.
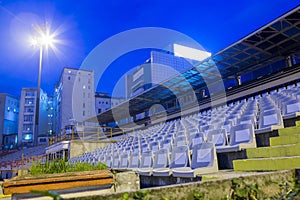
[[160, 67], [26, 130], [9, 113], [74, 98], [103, 102]]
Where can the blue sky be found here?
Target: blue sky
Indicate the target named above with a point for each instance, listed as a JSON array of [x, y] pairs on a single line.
[[82, 25]]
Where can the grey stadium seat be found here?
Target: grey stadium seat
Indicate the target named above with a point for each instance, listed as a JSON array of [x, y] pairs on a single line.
[[204, 160], [161, 163], [241, 137]]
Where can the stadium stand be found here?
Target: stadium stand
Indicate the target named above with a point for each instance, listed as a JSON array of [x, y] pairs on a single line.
[[193, 136], [176, 148]]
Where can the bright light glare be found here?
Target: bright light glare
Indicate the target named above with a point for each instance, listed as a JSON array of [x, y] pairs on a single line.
[[191, 53], [47, 39], [33, 42], [42, 38]]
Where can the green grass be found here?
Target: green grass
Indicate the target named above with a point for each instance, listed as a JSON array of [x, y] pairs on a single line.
[[60, 166]]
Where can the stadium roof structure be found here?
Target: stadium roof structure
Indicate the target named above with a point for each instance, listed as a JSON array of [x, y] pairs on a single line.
[[269, 44]]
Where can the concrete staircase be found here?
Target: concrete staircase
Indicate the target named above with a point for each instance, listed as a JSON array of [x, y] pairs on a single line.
[[283, 153]]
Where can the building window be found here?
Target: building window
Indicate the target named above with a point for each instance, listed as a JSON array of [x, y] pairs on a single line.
[[83, 105], [83, 94], [83, 113], [29, 93], [28, 109], [89, 95], [28, 118], [69, 77], [99, 110], [29, 101], [27, 127]]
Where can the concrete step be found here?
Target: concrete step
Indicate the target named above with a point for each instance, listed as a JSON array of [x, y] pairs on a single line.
[[295, 130], [284, 140], [274, 151], [267, 164]]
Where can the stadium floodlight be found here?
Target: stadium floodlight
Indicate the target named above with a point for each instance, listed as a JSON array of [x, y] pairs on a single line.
[[42, 39]]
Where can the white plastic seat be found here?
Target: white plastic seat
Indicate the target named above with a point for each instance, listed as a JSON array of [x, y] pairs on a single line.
[[134, 161], [196, 139], [161, 163], [291, 109], [204, 160], [123, 161], [145, 168], [269, 121], [241, 137], [217, 137]]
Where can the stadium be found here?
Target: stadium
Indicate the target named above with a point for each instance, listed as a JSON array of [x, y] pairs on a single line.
[[245, 122]]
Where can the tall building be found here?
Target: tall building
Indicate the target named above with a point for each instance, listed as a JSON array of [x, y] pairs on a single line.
[[103, 102], [74, 98], [158, 68], [27, 116], [9, 113]]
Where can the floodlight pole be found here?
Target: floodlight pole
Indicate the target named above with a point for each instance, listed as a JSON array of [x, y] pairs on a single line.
[[38, 93]]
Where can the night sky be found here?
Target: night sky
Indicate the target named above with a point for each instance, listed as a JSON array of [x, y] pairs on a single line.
[[82, 25]]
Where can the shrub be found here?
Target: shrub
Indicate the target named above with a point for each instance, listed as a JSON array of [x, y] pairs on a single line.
[[240, 191], [60, 166]]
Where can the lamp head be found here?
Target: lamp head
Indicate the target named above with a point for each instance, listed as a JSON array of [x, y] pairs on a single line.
[[42, 38]]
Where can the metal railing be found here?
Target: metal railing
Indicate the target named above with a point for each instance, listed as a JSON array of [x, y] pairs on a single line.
[[88, 133]]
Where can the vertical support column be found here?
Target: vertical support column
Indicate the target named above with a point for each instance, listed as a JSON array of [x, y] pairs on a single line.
[[289, 61], [110, 134], [37, 109], [22, 163], [239, 80], [203, 93], [83, 133]]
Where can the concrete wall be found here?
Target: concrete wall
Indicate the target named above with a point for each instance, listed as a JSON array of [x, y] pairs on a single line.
[[126, 181], [78, 147], [213, 189]]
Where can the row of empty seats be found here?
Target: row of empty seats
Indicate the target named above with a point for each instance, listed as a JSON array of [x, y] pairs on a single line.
[[187, 147]]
